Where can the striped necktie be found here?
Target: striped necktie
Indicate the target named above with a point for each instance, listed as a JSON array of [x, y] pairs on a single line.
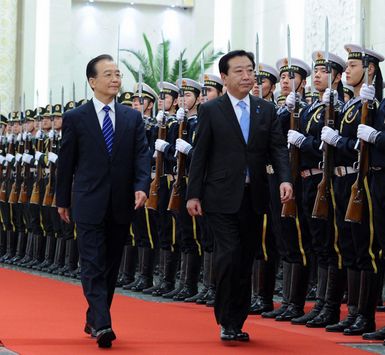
[[108, 130]]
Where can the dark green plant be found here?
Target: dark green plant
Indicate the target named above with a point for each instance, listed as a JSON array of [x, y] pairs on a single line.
[[151, 62]]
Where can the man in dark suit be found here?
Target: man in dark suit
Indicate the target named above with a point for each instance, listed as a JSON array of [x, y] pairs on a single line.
[[103, 175], [236, 137]]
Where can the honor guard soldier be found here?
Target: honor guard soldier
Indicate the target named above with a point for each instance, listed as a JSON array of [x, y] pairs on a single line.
[[315, 166], [348, 92], [66, 252], [145, 222], [294, 246], [191, 249], [3, 232], [169, 232], [125, 98], [266, 257], [211, 89], [361, 256]]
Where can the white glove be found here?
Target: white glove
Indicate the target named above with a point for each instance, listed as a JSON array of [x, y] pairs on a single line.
[[367, 92], [180, 114], [2, 160], [38, 155], [330, 136], [9, 137], [52, 157], [182, 146], [155, 154], [159, 117], [25, 135], [51, 134], [296, 138], [290, 101], [326, 96], [10, 157], [39, 134], [27, 158], [19, 157], [367, 133], [19, 137], [161, 145]]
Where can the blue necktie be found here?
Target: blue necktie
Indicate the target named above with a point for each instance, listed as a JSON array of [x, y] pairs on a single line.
[[108, 130], [245, 120]]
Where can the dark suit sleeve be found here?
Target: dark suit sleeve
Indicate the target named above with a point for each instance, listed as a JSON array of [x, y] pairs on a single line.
[[279, 153], [142, 157], [66, 163], [200, 155]]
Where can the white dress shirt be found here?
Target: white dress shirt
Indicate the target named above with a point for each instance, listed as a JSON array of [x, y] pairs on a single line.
[[101, 113], [237, 109]]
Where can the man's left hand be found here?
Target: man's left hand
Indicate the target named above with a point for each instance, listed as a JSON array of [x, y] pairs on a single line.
[[140, 199], [285, 191], [194, 207]]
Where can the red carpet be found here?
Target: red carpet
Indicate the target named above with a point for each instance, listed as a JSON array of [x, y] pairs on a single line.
[[41, 316]]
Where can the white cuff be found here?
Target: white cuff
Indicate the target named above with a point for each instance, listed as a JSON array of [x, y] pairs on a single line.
[[27, 158], [38, 155], [18, 157], [9, 157], [52, 157]]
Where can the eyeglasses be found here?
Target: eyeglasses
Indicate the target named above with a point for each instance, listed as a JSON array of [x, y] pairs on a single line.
[[109, 76]]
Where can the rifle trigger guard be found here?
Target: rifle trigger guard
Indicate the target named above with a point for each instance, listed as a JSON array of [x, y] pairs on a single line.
[[356, 165], [321, 165]]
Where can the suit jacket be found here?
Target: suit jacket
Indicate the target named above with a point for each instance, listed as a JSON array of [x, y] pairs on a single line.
[[221, 156], [88, 179]]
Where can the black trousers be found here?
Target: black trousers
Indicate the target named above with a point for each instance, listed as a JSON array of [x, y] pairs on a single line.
[[100, 252], [377, 190], [235, 243]]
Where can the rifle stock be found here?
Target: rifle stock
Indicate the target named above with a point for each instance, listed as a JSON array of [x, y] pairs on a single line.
[[356, 200], [8, 175], [35, 196]]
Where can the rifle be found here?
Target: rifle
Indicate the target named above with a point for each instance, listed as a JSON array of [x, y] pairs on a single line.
[[50, 188], [289, 209], [153, 198], [321, 203], [23, 196], [357, 196], [176, 197]]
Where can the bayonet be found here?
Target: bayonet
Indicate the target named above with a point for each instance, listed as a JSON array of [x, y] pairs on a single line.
[[62, 99], [73, 93], [140, 90], [291, 72], [118, 53], [204, 88], [161, 77], [259, 79]]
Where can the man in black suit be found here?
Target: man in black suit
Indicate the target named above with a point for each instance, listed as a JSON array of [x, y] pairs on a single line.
[[103, 175], [236, 137]]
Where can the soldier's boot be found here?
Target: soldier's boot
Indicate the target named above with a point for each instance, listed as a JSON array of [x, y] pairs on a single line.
[[298, 289], [266, 283], [367, 302], [254, 283], [170, 266], [286, 290], [147, 269], [335, 288], [3, 242], [58, 258], [20, 248], [322, 280], [190, 287], [49, 253], [127, 266], [210, 295], [67, 254], [73, 261], [353, 278], [311, 294], [7, 257], [159, 271], [28, 251], [38, 250], [206, 279], [137, 278], [182, 277]]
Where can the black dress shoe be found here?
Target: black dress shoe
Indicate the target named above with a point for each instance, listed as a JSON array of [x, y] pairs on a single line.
[[228, 334], [275, 313], [325, 318], [88, 329], [341, 325], [361, 325], [104, 337], [241, 336], [377, 335], [291, 312]]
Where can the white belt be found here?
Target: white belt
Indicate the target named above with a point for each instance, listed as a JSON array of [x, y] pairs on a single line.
[[309, 172], [344, 170]]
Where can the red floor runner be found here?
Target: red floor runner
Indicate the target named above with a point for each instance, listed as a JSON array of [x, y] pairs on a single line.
[[41, 316]]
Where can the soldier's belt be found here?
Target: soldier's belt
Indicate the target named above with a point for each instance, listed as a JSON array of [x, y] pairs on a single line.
[[344, 170], [269, 169], [309, 172]]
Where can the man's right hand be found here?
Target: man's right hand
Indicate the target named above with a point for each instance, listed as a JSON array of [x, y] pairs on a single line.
[[64, 214], [194, 207]]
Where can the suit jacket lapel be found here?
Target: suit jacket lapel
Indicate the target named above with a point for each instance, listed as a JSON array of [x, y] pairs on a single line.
[[120, 125], [93, 125], [229, 112], [254, 112]]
